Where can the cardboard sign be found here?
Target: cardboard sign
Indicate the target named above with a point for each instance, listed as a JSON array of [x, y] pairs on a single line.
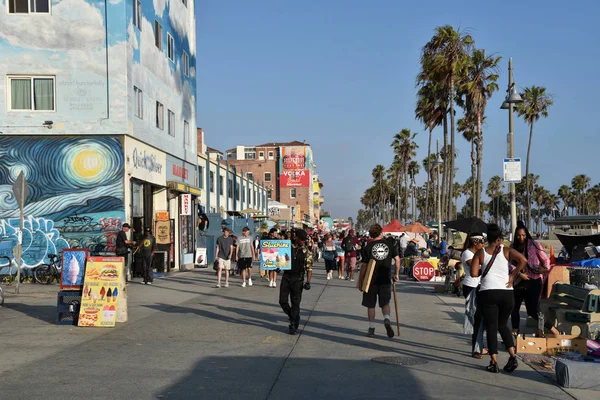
[[73, 267], [365, 276], [163, 232], [101, 291], [162, 215], [275, 254]]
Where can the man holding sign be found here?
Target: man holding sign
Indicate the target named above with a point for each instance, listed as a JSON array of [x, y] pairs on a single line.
[[292, 281], [380, 288]]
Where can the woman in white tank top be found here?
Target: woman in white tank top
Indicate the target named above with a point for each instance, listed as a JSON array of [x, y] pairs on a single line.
[[495, 297]]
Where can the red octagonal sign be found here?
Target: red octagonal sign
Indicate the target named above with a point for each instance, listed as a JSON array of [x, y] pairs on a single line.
[[423, 271]]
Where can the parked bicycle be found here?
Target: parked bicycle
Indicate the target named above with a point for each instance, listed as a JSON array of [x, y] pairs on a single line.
[[48, 273]]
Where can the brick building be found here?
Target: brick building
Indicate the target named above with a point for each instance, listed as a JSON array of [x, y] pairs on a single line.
[[287, 170]]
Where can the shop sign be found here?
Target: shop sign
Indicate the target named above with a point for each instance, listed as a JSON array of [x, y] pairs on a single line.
[[101, 292], [162, 215], [145, 162], [163, 232], [180, 171], [186, 204]]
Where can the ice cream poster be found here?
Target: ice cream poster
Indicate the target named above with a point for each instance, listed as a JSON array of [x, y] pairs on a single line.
[[275, 254], [73, 268], [100, 293]]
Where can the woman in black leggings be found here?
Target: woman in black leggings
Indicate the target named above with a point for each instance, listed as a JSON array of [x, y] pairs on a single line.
[[530, 288], [495, 297]]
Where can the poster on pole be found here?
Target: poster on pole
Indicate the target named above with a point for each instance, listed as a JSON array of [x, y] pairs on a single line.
[[101, 292], [275, 254], [512, 170]]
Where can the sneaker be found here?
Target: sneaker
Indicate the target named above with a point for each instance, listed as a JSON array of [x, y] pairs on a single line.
[[328, 277], [493, 367], [142, 283], [388, 328], [297, 322], [511, 365], [291, 329], [274, 284], [371, 332], [226, 284], [243, 284], [351, 280], [218, 285], [270, 283], [249, 282], [148, 283]]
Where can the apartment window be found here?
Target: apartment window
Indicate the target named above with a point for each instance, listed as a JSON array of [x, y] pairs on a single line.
[[243, 195], [185, 60], [186, 132], [160, 116], [271, 155], [31, 93], [261, 155], [254, 197], [158, 35], [249, 153], [171, 122], [211, 181], [230, 188], [137, 14], [170, 47], [139, 102], [250, 176], [28, 6], [237, 192], [200, 177], [292, 193], [221, 185], [267, 177], [249, 195], [269, 191]]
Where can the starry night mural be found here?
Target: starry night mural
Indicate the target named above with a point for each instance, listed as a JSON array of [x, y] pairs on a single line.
[[76, 194]]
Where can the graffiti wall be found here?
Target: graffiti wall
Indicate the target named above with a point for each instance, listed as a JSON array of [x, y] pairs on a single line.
[[76, 194]]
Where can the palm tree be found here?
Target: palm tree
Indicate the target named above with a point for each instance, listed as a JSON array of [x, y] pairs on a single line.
[[580, 184], [493, 190], [442, 58], [478, 86], [467, 127], [564, 192], [535, 105], [404, 147], [539, 195], [456, 193], [378, 177]]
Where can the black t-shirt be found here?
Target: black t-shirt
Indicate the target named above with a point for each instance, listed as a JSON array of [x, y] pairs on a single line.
[[383, 251], [148, 244], [120, 246]]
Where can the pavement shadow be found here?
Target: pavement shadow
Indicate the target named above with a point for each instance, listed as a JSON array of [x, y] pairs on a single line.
[[42, 312]]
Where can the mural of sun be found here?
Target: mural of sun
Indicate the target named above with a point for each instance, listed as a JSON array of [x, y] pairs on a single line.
[[87, 164]]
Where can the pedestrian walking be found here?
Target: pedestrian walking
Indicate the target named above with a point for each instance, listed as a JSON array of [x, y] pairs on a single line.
[[224, 252], [273, 274], [350, 245], [402, 244], [147, 249], [531, 280], [122, 245], [292, 282], [329, 255], [340, 253], [474, 243], [380, 250], [495, 297], [245, 254]]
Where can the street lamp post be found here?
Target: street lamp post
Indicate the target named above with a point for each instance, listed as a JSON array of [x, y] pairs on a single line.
[[512, 98], [437, 164]]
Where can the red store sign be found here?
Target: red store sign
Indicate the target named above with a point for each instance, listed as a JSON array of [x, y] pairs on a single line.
[[180, 171]]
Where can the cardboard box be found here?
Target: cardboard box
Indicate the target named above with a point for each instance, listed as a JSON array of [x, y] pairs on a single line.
[[365, 275], [531, 344], [562, 343]]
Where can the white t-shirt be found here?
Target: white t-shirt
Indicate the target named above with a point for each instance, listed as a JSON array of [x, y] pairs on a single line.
[[404, 241], [468, 280], [497, 276]]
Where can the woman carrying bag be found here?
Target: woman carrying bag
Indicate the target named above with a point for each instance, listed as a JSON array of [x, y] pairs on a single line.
[[474, 243], [495, 297], [530, 282]]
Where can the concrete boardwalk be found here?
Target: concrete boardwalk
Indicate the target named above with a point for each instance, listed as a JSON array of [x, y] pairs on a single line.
[[188, 340]]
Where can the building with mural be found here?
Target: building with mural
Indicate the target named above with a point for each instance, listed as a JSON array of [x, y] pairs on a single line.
[[98, 111], [288, 172]]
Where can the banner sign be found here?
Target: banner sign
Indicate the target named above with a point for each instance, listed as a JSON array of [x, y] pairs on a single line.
[[73, 267], [100, 292], [186, 204], [275, 254], [294, 167]]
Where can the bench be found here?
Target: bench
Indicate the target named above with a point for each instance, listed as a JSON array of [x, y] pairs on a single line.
[[573, 310]]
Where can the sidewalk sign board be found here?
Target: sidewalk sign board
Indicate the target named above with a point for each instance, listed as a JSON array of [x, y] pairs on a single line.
[[275, 254], [102, 291]]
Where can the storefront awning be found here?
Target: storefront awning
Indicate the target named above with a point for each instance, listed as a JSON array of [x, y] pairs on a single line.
[[183, 187]]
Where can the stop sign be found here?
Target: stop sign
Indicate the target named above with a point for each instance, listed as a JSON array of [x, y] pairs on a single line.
[[423, 271]]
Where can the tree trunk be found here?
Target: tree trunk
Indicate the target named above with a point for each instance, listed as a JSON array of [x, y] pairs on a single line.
[[425, 218], [528, 194], [479, 163], [473, 175], [444, 183], [452, 145], [406, 190]]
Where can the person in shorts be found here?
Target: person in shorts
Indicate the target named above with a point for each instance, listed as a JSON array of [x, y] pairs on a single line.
[[245, 255], [380, 289], [224, 252]]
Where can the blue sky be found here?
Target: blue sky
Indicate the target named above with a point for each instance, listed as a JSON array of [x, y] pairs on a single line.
[[341, 75]]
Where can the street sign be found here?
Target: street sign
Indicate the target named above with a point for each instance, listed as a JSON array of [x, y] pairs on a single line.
[[21, 190], [512, 170], [423, 271]]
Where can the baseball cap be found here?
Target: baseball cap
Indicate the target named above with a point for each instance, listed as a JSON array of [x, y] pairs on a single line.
[[126, 225]]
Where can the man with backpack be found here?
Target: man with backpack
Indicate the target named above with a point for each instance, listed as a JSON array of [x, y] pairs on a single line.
[[349, 245]]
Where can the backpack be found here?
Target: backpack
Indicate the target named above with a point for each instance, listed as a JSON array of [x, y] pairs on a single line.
[[348, 245]]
